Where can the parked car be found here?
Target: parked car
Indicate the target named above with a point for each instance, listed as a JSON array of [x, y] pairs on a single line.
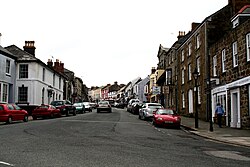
[[12, 112], [166, 117], [65, 106], [87, 106], [131, 101], [136, 106], [46, 111], [80, 108], [93, 105], [146, 112], [104, 106], [120, 105]]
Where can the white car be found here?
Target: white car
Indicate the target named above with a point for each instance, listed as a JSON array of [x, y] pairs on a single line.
[[146, 112], [87, 106], [131, 101]]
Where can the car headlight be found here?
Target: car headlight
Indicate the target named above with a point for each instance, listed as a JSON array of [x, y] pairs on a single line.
[[159, 119]]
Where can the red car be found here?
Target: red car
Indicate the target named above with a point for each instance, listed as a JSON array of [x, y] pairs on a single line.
[[12, 112], [167, 118], [46, 111]]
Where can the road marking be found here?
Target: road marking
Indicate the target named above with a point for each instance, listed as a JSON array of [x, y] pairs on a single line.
[[228, 155], [142, 123], [5, 163]]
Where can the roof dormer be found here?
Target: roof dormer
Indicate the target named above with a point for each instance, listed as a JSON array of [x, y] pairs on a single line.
[[241, 16]]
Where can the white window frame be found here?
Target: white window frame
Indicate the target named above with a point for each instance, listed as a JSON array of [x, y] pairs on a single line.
[[44, 72], [223, 60], [215, 65], [183, 100], [22, 72], [198, 42], [24, 94], [182, 55], [146, 89], [199, 94], [5, 92], [8, 72], [235, 54], [189, 49], [198, 64], [182, 76], [189, 72], [248, 46]]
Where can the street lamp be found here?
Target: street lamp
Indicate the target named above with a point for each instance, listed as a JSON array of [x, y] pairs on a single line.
[[195, 75]]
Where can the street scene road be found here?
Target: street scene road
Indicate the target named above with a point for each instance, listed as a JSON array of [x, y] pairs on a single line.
[[114, 139]]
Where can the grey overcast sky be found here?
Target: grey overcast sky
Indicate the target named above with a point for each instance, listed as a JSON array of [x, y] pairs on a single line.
[[101, 41]]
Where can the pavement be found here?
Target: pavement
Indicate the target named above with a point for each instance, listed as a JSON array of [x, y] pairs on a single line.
[[239, 137]]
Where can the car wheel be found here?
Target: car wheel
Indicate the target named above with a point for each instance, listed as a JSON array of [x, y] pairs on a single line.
[[67, 112], [26, 118], [74, 112], [51, 115], [82, 112], [9, 121], [139, 116]]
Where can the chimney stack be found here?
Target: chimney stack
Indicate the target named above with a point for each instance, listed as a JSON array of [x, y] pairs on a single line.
[[50, 63], [194, 26], [181, 34], [56, 65], [61, 67], [153, 70], [29, 47]]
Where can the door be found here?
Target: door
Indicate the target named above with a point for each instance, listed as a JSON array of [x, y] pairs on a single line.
[[190, 101], [235, 109]]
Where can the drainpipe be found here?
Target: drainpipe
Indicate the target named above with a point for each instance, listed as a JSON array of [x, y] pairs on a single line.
[[208, 83]]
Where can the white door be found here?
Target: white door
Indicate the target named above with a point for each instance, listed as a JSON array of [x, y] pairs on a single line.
[[235, 109], [190, 101]]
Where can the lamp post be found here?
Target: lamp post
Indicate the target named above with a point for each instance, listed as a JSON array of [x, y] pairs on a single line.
[[195, 75]]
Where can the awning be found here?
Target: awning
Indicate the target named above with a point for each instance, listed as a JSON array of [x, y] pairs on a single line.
[[160, 76]]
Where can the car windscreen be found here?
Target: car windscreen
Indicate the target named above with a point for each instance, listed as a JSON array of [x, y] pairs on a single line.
[[103, 103], [77, 104], [154, 106], [43, 107], [56, 103], [166, 112]]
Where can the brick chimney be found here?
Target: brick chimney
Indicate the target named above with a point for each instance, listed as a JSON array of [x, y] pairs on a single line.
[[181, 34], [50, 63], [194, 26], [29, 47], [61, 67], [57, 66]]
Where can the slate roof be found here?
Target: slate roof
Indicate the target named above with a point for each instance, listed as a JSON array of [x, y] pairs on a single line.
[[23, 56], [7, 53]]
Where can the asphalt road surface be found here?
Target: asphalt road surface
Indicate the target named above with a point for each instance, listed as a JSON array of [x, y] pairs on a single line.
[[117, 139]]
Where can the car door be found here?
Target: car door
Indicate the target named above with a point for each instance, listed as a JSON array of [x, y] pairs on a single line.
[[12, 112], [18, 112]]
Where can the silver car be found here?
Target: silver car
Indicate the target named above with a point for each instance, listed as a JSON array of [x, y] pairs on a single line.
[[146, 112]]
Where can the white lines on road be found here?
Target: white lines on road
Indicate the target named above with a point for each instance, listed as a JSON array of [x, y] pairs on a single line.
[[142, 123], [5, 163]]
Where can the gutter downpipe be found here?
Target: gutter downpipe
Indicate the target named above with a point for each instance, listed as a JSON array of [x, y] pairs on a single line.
[[208, 83]]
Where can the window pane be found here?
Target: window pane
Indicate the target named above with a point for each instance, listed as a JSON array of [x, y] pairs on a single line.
[[23, 94], [23, 71], [7, 66]]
